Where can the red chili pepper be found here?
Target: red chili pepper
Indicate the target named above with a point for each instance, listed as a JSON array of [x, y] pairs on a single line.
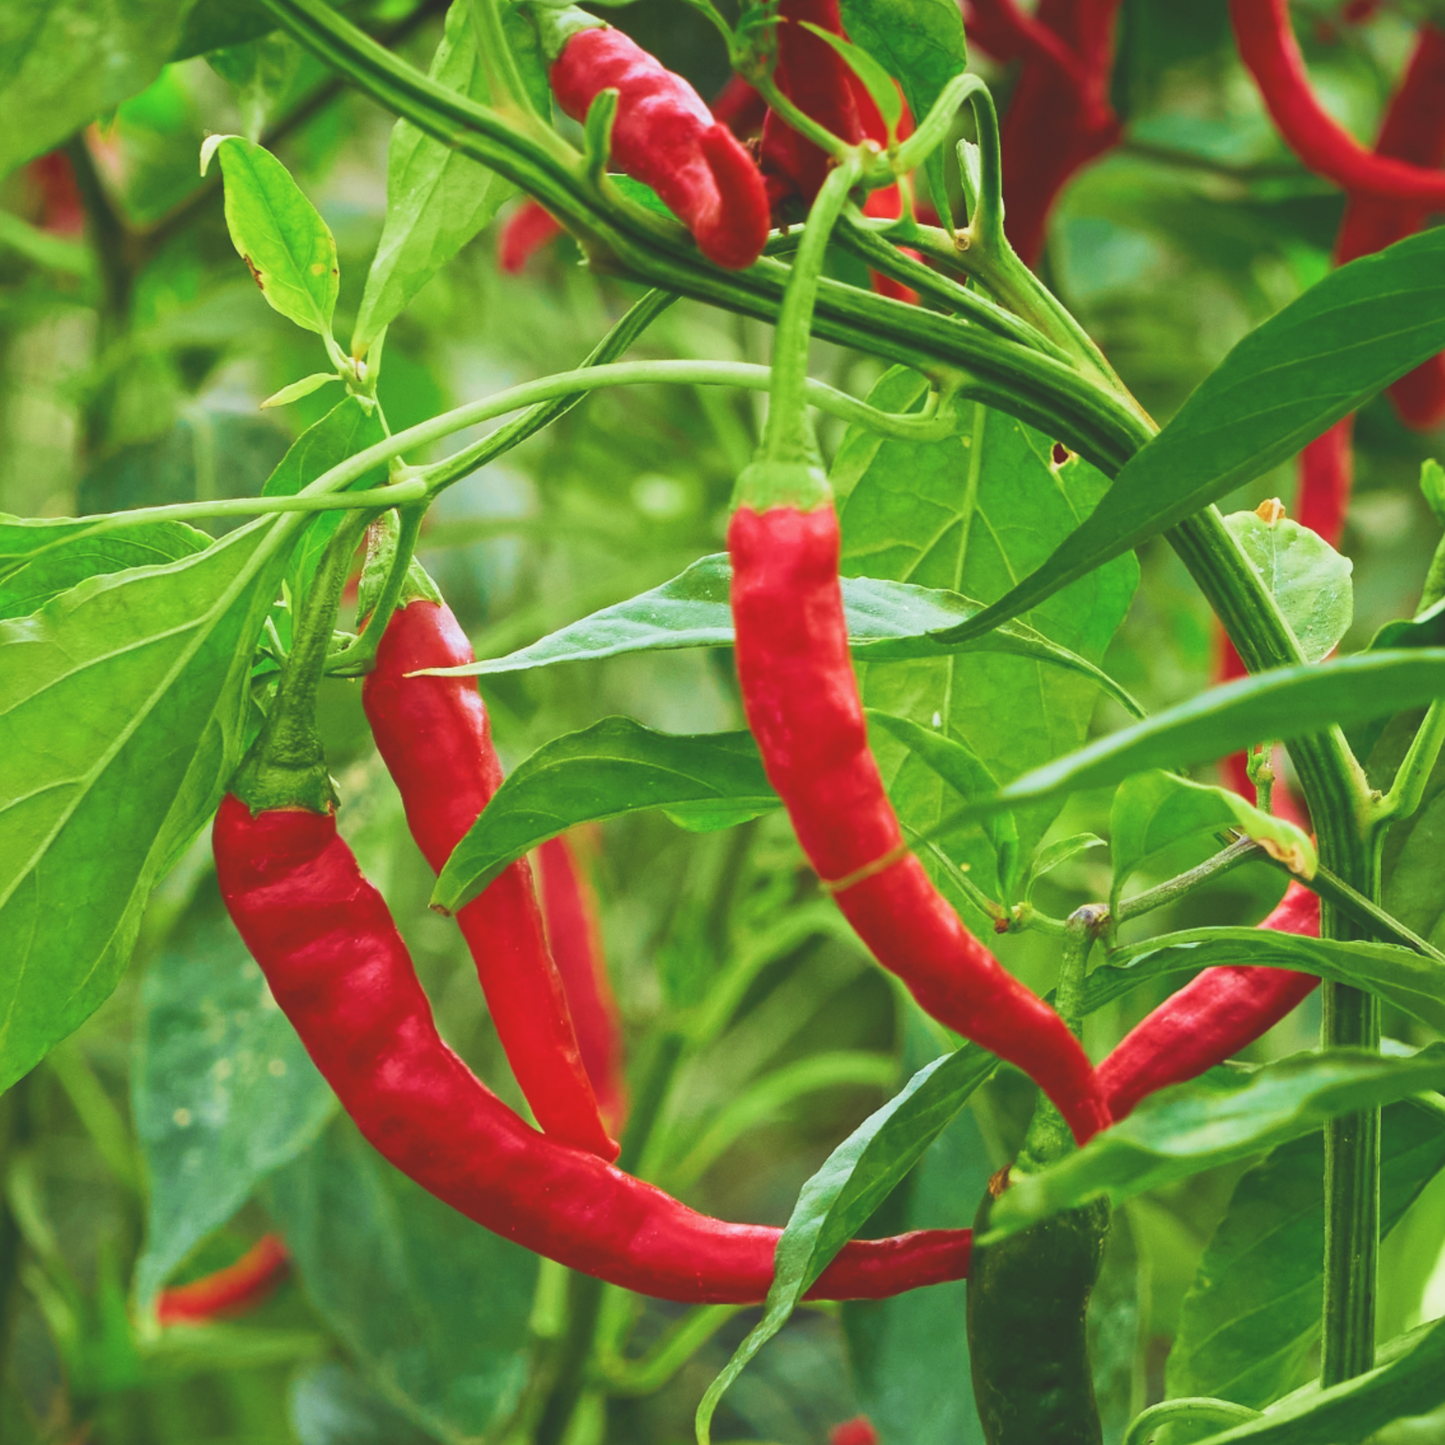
[[857, 1431], [340, 972], [1268, 47], [434, 735], [530, 227], [667, 138], [802, 704], [1212, 1018], [229, 1291], [575, 938], [62, 211], [739, 107]]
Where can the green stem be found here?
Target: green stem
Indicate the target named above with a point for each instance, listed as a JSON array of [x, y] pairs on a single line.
[[1186, 1410], [647, 1375], [360, 656], [1245, 851], [1408, 790]]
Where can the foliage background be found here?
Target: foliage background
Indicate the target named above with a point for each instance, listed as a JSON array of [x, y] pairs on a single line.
[[172, 1128]]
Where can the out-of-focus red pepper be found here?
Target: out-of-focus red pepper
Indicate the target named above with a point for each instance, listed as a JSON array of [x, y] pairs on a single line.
[[229, 1291]]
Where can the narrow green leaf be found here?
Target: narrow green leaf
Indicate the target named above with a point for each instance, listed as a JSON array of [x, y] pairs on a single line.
[[299, 389], [616, 766], [1308, 578], [1283, 703], [1404, 978], [1218, 1119], [875, 78], [1348, 336], [436, 198], [276, 231], [41, 559], [1432, 487], [1047, 859], [887, 622], [1155, 810], [856, 1178], [120, 721], [1253, 1312]]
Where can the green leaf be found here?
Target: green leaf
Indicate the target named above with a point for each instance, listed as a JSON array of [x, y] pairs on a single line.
[[211, 24], [1155, 810], [1253, 1313], [436, 198], [399, 1277], [62, 62], [1403, 977], [856, 1178], [1323, 356], [120, 721], [1047, 859], [1432, 487], [617, 766], [1223, 1117], [262, 72], [222, 1091], [41, 558], [1412, 1383], [965, 774], [875, 78], [299, 389], [1282, 703], [287, 247], [967, 514], [1308, 578], [887, 621], [330, 1404]]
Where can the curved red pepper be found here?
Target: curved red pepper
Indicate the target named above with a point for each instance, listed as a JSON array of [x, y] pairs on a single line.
[[1212, 1018], [667, 138], [530, 227], [434, 735], [340, 972], [237, 1287], [802, 704], [575, 938]]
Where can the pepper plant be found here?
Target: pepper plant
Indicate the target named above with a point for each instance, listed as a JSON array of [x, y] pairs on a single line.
[[790, 905]]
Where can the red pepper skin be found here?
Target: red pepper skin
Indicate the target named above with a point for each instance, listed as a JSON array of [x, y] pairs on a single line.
[[667, 138], [528, 229], [434, 735], [857, 1431], [228, 1291], [1268, 47], [739, 107], [339, 970], [802, 704], [1212, 1018], [573, 935]]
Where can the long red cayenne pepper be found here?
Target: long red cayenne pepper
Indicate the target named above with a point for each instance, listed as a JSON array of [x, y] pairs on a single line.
[[340, 972], [434, 736], [1213, 1017], [575, 938], [1268, 47], [664, 135], [236, 1288], [803, 706]]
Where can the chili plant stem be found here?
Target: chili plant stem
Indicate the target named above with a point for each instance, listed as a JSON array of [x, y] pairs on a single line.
[[1245, 851]]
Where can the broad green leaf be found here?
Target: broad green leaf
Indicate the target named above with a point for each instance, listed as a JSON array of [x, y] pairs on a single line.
[[120, 721], [1253, 1313], [617, 766], [968, 777], [856, 1178], [1283, 703], [436, 198], [432, 1307], [330, 1404], [887, 621], [222, 1091], [966, 515], [262, 72], [1047, 859], [1308, 578], [1324, 355], [1409, 980], [1411, 1383], [1155, 810], [211, 24], [1218, 1119], [349, 427], [41, 559], [276, 231], [62, 62]]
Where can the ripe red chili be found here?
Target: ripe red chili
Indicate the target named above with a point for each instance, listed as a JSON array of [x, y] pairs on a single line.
[[667, 138], [1268, 47], [575, 938], [802, 704], [528, 229], [1212, 1018], [340, 972], [434, 735], [228, 1291]]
